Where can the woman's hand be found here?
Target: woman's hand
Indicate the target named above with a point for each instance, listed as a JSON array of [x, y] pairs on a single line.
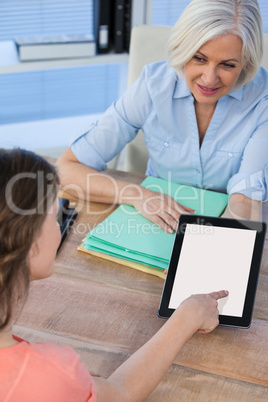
[[203, 309], [160, 209], [98, 187]]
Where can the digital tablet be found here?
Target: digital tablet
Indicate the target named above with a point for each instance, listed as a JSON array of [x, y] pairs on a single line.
[[211, 254]]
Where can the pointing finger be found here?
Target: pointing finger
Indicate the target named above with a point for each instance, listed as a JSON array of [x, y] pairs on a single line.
[[219, 295]]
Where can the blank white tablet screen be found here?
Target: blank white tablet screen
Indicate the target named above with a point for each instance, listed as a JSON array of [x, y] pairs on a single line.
[[214, 258]]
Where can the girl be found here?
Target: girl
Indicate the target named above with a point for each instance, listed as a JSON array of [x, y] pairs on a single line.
[[29, 238]]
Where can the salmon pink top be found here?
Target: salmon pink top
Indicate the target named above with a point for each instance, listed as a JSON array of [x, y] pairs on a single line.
[[43, 372]]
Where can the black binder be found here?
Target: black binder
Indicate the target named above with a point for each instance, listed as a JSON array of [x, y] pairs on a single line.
[[127, 24], [119, 18], [102, 24]]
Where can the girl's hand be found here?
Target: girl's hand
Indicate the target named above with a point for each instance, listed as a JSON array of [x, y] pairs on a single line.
[[160, 209], [204, 309]]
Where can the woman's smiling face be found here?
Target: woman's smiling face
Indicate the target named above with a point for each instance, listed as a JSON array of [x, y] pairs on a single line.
[[214, 69]]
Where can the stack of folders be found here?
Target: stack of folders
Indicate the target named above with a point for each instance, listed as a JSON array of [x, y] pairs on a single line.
[[56, 47], [128, 238]]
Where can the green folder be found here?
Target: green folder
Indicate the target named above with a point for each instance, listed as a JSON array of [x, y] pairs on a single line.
[[128, 235]]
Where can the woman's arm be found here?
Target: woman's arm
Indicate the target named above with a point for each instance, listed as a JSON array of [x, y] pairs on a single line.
[[242, 207], [135, 379], [89, 184]]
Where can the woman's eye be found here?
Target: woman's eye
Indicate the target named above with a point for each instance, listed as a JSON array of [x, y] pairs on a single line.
[[228, 65], [198, 58]]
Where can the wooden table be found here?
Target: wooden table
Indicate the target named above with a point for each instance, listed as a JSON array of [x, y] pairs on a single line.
[[106, 311]]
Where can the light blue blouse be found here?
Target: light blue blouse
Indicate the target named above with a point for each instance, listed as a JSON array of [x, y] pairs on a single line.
[[234, 153]]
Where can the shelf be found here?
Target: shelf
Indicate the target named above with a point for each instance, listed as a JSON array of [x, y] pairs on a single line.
[[12, 64], [50, 64]]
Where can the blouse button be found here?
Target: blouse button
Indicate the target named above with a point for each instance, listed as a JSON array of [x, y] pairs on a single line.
[[230, 155], [166, 144]]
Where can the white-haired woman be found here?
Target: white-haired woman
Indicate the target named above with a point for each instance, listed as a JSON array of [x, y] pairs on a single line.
[[204, 115]]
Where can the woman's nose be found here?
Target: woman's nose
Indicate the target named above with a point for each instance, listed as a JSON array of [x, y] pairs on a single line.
[[210, 76]]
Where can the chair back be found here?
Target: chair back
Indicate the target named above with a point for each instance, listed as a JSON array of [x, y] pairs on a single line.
[[148, 44]]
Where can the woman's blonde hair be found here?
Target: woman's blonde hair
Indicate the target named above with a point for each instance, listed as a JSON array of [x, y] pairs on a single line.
[[29, 186], [204, 20]]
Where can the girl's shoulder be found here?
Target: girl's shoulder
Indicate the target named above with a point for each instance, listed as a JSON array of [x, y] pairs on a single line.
[[51, 366], [63, 355]]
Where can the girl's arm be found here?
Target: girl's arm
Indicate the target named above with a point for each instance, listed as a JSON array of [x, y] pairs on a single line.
[[89, 184], [135, 379]]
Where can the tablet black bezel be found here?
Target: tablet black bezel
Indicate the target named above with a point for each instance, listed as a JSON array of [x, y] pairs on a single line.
[[259, 227]]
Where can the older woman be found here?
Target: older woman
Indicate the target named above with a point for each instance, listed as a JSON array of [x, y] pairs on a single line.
[[204, 116]]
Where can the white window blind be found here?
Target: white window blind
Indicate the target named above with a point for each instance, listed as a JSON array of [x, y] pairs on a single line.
[[20, 18], [37, 95], [48, 94], [166, 12], [264, 12], [73, 91]]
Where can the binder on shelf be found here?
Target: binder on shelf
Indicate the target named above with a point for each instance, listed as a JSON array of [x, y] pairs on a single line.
[[55, 47], [119, 25], [102, 24], [127, 24]]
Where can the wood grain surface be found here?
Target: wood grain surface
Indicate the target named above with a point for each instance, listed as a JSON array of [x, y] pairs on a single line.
[[106, 311]]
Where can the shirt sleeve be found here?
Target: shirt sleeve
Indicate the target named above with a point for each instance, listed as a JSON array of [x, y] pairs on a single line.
[[252, 177], [105, 138]]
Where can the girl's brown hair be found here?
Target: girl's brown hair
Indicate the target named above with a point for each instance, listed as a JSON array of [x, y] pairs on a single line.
[[28, 187]]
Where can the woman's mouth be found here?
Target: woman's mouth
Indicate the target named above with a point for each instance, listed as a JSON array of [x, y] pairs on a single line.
[[207, 91]]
